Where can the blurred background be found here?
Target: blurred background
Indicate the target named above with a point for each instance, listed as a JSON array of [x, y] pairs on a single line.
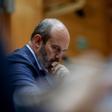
[[90, 25], [89, 22]]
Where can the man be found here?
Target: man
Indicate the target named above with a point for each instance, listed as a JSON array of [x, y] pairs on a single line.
[[35, 68]]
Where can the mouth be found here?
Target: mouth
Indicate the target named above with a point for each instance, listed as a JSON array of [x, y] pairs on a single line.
[[51, 64]]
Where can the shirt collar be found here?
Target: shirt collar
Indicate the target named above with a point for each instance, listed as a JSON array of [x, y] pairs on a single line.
[[34, 56]]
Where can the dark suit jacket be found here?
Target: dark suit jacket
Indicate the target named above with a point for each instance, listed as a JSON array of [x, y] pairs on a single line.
[[4, 101], [25, 71]]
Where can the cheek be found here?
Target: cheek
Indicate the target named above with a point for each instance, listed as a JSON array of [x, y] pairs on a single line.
[[50, 53]]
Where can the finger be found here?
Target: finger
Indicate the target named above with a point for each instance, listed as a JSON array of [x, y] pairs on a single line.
[[56, 68], [54, 64]]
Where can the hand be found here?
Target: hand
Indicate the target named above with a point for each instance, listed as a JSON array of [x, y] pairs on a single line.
[[59, 70]]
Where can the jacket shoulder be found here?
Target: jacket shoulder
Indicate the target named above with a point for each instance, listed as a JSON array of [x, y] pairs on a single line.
[[18, 55]]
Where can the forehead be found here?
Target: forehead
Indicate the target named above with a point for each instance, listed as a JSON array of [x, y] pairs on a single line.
[[60, 37]]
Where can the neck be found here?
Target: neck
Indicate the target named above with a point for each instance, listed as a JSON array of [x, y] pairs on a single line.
[[36, 51], [32, 47]]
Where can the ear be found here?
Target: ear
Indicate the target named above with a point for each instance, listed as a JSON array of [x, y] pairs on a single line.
[[37, 40]]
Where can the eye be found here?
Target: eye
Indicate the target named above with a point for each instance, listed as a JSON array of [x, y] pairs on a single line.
[[56, 48]]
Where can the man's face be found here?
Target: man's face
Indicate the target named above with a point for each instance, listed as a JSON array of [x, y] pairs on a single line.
[[54, 48]]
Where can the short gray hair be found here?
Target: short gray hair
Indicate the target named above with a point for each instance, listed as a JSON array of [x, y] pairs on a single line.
[[44, 28]]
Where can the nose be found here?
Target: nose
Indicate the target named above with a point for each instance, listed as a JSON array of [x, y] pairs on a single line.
[[59, 56]]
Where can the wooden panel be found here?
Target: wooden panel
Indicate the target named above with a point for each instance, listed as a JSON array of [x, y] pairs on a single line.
[[52, 3], [5, 30], [90, 24], [108, 17], [27, 14]]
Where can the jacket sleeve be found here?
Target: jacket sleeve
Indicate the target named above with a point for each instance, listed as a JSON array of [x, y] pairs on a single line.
[[26, 94]]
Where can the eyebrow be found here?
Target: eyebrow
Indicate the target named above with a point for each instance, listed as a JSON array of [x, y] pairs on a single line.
[[59, 47]]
